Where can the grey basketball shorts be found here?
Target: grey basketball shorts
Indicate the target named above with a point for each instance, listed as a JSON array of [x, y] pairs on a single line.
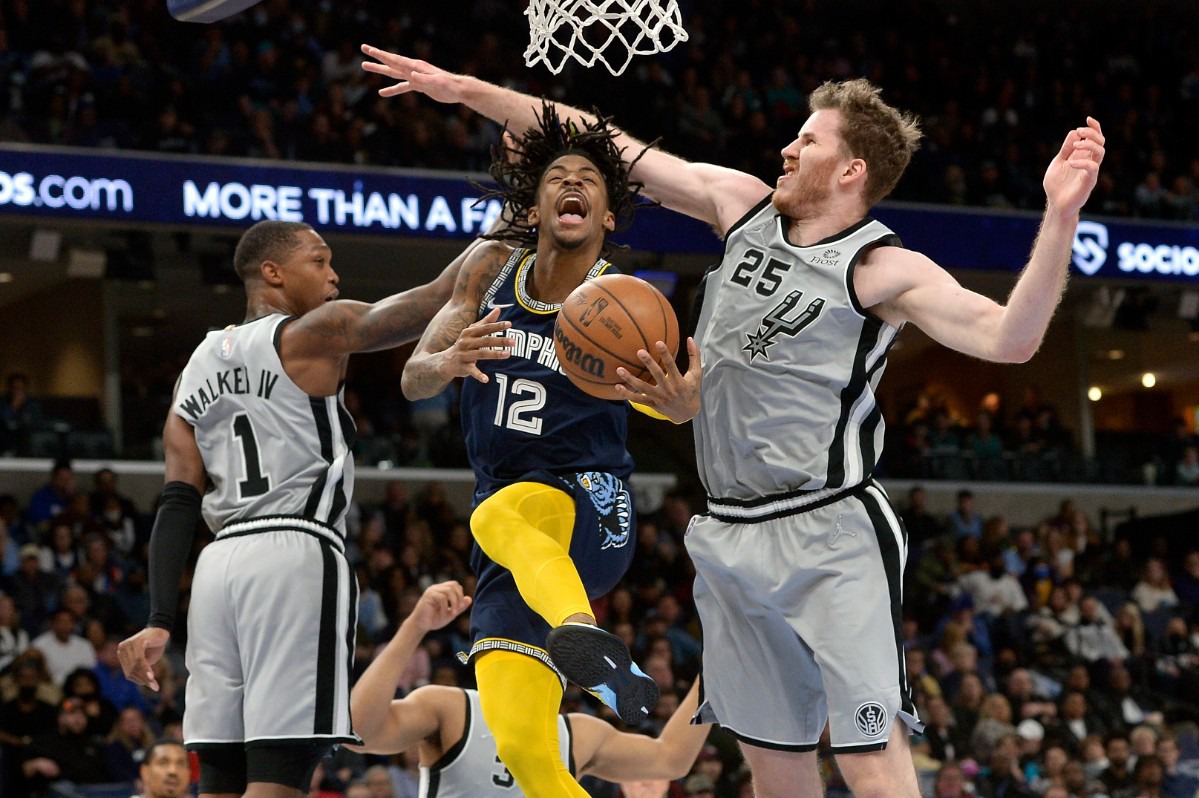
[[271, 627], [801, 622]]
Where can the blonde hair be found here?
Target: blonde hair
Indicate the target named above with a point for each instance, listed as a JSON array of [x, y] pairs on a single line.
[[879, 134]]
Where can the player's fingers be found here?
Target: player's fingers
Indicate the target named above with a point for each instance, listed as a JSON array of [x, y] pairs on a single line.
[[1096, 130], [640, 397], [651, 363], [473, 371], [633, 384], [666, 360], [694, 362]]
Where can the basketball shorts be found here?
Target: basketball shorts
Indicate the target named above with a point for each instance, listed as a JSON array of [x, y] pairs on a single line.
[[271, 627], [802, 625], [601, 546]]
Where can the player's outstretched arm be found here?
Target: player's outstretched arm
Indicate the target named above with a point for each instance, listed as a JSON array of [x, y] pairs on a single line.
[[170, 545], [457, 339], [388, 726], [603, 751], [905, 286], [713, 194]]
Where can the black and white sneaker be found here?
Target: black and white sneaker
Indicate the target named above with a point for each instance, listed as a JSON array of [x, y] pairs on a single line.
[[600, 663]]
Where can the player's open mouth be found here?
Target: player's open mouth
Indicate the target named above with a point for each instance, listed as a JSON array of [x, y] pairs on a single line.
[[572, 208], [332, 296]]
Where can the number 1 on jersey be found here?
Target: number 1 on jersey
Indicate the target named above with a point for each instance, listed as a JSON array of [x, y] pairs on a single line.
[[255, 483]]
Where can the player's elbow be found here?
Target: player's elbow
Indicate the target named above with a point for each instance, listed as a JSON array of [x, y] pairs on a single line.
[[676, 764], [1016, 352]]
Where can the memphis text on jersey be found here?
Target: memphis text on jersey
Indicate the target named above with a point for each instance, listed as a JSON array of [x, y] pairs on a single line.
[[238, 381]]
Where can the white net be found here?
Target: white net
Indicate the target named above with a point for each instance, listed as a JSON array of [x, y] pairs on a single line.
[[608, 31]]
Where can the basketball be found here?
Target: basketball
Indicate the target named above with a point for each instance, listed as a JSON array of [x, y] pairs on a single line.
[[601, 326]]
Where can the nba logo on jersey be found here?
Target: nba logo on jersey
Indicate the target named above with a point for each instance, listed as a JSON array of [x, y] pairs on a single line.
[[612, 504], [226, 348]]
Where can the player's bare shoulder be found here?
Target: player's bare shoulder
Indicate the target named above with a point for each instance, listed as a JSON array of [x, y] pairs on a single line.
[[885, 273], [479, 272]]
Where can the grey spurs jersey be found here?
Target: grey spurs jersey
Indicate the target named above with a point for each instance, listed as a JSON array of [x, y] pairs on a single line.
[[791, 363], [473, 769], [269, 448]]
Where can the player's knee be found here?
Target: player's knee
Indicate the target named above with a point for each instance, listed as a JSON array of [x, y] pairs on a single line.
[[524, 759]]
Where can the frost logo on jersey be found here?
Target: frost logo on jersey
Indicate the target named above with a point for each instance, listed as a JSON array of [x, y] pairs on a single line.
[[611, 501], [1090, 247], [871, 719], [226, 349], [827, 258], [777, 321]]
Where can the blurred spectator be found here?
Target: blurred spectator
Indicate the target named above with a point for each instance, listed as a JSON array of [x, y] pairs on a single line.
[[951, 782], [13, 639], [127, 745], [69, 753], [22, 718], [10, 552], [922, 527], [54, 497], [1186, 585], [20, 415], [1187, 469], [1153, 591], [964, 521], [64, 650], [1175, 783], [33, 589], [1094, 638], [82, 683], [1117, 775], [1075, 723], [1148, 777]]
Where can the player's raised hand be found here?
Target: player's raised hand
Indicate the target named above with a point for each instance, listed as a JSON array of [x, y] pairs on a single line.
[[438, 605], [478, 341], [413, 75], [139, 653], [1073, 173], [671, 393]]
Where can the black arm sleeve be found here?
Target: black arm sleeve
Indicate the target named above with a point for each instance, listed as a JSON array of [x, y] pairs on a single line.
[[170, 546]]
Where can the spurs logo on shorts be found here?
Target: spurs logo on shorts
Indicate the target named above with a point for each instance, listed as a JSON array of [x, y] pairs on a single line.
[[611, 501], [871, 718]]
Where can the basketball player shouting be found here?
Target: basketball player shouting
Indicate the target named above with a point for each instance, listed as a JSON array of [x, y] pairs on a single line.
[[800, 556], [258, 412], [457, 750], [553, 522]]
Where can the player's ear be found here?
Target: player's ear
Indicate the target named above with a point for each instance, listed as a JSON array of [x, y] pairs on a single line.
[[272, 273], [534, 216], [855, 170], [609, 221]]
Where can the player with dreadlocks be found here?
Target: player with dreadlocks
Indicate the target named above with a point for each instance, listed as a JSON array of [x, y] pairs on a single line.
[[553, 521]]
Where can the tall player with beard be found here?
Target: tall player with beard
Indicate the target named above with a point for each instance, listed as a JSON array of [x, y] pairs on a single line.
[[553, 522], [800, 556]]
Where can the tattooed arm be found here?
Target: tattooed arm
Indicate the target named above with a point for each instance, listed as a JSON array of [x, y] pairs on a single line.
[[457, 338]]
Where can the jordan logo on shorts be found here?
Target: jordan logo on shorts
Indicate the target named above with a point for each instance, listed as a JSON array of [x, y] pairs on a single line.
[[871, 719]]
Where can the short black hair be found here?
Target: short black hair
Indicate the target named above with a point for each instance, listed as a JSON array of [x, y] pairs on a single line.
[[267, 240], [162, 742], [552, 137]]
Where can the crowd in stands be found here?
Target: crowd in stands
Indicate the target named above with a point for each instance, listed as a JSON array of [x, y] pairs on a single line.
[[1030, 444], [1046, 661], [996, 85]]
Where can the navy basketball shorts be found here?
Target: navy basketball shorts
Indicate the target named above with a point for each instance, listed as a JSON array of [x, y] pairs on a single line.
[[601, 546]]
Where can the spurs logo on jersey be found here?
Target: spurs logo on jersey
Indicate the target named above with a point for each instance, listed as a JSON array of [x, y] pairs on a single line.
[[791, 362], [778, 321]]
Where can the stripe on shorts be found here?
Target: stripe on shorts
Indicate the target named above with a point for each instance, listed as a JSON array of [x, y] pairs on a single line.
[[892, 544], [326, 657]]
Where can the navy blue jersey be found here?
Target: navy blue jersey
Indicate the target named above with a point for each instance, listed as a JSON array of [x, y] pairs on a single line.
[[530, 417]]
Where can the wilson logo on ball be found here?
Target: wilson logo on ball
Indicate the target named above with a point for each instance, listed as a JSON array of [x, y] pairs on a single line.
[[572, 353]]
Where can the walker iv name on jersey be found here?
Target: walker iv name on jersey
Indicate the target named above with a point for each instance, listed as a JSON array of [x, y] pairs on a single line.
[[237, 381]]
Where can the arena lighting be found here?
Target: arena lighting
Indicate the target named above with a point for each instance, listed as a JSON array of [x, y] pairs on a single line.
[[1094, 394], [5, 277], [1148, 379]]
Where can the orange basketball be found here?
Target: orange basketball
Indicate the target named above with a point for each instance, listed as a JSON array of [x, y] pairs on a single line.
[[601, 326]]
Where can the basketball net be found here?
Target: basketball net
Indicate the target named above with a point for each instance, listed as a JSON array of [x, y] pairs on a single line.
[[608, 31]]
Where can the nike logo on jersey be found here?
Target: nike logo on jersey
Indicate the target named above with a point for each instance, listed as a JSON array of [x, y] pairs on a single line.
[[492, 304]]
